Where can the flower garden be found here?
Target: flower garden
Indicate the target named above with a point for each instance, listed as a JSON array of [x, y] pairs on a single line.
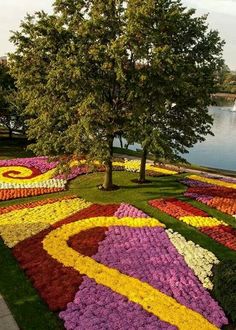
[[24, 177], [113, 265], [218, 193], [212, 227]]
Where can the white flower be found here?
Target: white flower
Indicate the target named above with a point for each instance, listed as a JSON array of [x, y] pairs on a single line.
[[51, 183], [198, 259]]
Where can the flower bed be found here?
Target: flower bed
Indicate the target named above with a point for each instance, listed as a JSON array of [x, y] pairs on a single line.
[[134, 166], [24, 177], [36, 176], [218, 230], [223, 198], [216, 182], [176, 208], [111, 266]]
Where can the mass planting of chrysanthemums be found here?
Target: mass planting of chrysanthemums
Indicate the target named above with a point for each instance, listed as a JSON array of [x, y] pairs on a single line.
[[212, 227], [24, 177], [111, 266], [134, 166], [219, 193]]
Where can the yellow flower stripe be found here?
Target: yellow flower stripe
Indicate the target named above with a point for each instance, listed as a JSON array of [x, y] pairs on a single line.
[[134, 165], [213, 181], [120, 164], [202, 221], [18, 225], [95, 162], [152, 300], [160, 170], [83, 162], [129, 165], [23, 172]]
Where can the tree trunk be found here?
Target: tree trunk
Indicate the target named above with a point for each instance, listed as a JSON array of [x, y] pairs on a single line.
[[10, 133], [108, 183], [142, 174], [121, 142]]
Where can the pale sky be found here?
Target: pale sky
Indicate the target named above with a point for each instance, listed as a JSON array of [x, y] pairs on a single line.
[[222, 16]]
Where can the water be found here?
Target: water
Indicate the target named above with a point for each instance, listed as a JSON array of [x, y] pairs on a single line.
[[217, 151]]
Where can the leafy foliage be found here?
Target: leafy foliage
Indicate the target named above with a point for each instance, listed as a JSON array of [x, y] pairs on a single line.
[[224, 286], [94, 70], [228, 81], [9, 115], [179, 74]]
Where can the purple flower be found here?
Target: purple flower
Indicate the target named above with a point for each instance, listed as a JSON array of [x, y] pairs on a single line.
[[148, 255]]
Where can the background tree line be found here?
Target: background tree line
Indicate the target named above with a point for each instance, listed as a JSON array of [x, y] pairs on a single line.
[[228, 83]]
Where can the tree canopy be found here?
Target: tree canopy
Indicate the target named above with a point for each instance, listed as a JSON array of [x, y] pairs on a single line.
[[179, 78], [97, 69], [10, 114]]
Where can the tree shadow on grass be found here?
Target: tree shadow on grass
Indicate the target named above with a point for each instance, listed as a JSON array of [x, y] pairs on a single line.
[[12, 148]]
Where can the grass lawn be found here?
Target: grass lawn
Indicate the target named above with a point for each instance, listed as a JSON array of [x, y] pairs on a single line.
[[28, 309]]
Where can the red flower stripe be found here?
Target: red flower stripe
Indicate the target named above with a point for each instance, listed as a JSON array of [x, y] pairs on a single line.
[[221, 234], [177, 208], [48, 276], [213, 191], [92, 211]]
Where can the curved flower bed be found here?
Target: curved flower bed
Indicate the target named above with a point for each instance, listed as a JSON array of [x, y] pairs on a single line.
[[111, 266], [217, 193], [24, 177], [218, 230], [36, 176]]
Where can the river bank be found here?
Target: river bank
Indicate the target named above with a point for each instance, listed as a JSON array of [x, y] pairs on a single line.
[[224, 99]]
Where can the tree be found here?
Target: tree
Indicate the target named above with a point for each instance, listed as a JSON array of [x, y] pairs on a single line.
[[73, 70], [91, 67], [7, 87], [180, 70], [228, 82]]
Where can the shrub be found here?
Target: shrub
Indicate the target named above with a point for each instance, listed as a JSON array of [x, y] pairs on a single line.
[[225, 286]]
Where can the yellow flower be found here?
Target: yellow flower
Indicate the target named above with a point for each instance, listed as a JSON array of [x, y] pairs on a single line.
[[23, 172], [152, 300], [160, 170], [18, 225], [202, 221], [213, 181]]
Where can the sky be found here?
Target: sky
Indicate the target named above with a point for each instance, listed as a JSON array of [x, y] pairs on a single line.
[[222, 17]]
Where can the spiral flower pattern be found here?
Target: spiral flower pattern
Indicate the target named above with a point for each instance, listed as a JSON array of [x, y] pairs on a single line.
[[23, 174], [34, 176], [17, 174]]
